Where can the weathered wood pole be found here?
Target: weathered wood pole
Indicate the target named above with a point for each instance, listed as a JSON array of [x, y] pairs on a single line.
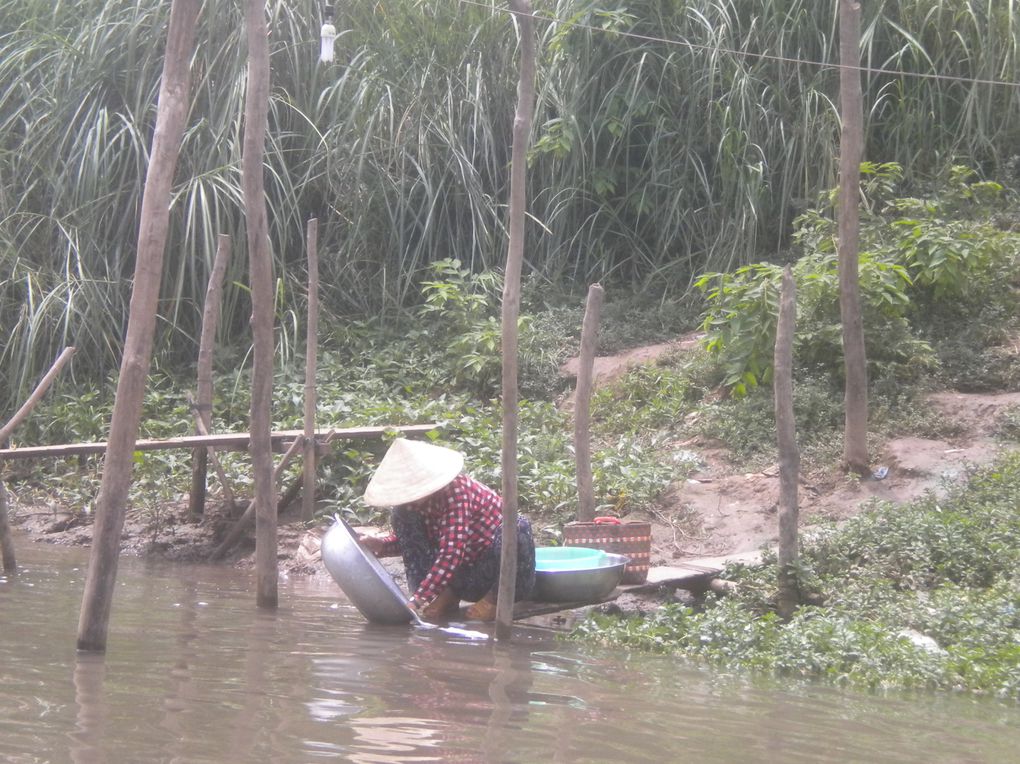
[[256, 114], [204, 391], [789, 456], [855, 443], [210, 452], [172, 110], [6, 540], [510, 310], [582, 404], [311, 351]]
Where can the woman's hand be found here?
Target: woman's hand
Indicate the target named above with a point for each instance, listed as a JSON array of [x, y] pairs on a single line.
[[372, 544]]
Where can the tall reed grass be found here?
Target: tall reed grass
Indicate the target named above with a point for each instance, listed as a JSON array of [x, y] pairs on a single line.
[[652, 160]]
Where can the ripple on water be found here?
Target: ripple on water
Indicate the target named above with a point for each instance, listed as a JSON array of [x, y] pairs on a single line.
[[195, 673]]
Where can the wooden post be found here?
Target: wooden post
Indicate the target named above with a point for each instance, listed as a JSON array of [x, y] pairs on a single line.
[[311, 350], [6, 540], [172, 110], [210, 453], [204, 391], [256, 113], [582, 404], [789, 457], [855, 443], [511, 308]]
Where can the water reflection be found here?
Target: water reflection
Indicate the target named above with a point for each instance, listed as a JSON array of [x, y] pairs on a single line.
[[195, 673], [93, 712], [503, 681]]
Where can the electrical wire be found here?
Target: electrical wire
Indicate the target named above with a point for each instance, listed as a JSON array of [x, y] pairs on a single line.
[[748, 54]]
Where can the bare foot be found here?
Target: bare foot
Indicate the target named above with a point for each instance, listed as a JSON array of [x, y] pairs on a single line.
[[483, 610], [443, 606]]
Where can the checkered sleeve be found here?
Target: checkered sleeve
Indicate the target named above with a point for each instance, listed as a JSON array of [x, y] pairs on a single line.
[[452, 544]]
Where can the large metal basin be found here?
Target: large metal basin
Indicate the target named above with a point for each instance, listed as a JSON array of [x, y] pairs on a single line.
[[582, 584], [365, 582]]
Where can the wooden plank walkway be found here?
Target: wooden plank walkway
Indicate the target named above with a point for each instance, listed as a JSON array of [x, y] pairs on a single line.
[[687, 574], [231, 441]]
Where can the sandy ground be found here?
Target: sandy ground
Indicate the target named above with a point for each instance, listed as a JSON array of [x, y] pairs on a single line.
[[720, 510]]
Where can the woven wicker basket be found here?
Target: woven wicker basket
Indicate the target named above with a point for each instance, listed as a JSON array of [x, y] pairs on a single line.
[[610, 535]]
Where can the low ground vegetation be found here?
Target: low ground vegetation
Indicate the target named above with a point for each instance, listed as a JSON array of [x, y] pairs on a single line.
[[937, 278], [919, 596]]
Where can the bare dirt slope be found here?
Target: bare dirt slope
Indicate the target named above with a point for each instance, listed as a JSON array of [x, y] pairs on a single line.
[[721, 510]]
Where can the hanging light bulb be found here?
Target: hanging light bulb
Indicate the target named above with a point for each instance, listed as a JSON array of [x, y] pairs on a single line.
[[327, 37]]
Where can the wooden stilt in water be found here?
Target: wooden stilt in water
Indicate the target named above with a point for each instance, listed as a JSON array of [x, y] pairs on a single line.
[[256, 110], [172, 110], [6, 540], [511, 309]]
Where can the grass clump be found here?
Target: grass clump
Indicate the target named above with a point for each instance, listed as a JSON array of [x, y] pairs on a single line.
[[918, 596]]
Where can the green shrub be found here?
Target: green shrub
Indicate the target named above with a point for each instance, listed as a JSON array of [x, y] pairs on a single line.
[[938, 261]]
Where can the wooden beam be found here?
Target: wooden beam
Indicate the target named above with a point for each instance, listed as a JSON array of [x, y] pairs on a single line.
[[225, 440]]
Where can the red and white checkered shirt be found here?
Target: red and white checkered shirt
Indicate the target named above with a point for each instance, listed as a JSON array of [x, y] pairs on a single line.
[[461, 520]]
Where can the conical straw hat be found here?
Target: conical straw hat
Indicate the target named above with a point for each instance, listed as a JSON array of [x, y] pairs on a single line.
[[412, 470]]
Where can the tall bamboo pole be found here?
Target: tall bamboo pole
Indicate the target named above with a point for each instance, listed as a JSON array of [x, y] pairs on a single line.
[[6, 540], [789, 456], [256, 114], [172, 110], [311, 351], [510, 311], [582, 404], [855, 443], [204, 390]]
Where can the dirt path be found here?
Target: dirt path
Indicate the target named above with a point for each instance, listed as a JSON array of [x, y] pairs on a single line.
[[720, 511]]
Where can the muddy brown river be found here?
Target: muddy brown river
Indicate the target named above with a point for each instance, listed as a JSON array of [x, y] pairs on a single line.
[[195, 673]]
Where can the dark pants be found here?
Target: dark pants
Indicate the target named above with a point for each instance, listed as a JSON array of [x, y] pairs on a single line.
[[473, 580]]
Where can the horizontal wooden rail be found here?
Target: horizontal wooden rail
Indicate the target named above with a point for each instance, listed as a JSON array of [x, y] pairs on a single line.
[[236, 441]]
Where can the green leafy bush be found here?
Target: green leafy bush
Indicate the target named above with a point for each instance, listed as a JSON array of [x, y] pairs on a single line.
[[938, 261]]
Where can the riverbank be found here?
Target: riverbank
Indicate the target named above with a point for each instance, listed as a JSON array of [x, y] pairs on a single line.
[[717, 510]]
